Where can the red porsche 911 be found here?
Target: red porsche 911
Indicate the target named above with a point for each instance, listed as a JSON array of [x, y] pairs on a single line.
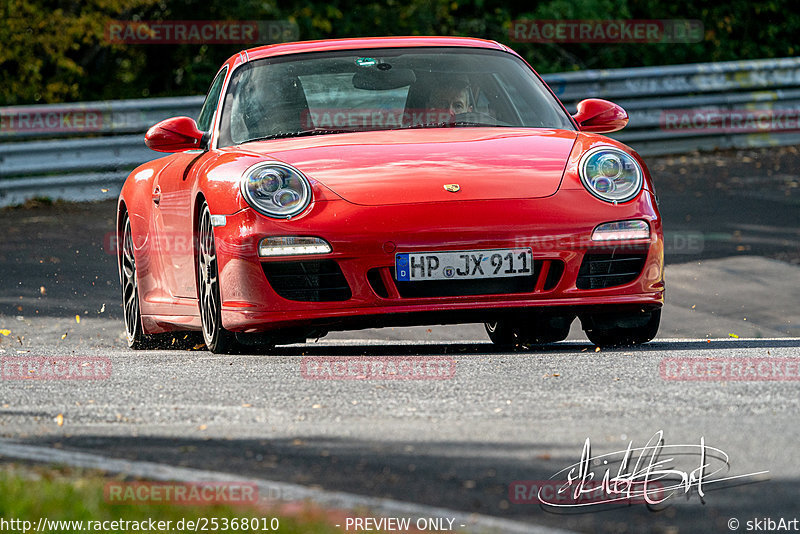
[[360, 183]]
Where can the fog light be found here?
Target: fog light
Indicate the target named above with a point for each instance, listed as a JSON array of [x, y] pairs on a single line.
[[292, 246], [621, 230]]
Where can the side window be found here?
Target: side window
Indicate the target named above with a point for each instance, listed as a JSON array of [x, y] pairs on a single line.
[[210, 105]]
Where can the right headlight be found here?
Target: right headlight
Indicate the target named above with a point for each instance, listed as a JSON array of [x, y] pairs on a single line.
[[276, 189], [610, 174]]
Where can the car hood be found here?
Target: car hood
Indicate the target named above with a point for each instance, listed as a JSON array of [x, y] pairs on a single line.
[[414, 166]]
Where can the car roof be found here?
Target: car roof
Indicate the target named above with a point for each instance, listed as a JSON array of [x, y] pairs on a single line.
[[365, 42]]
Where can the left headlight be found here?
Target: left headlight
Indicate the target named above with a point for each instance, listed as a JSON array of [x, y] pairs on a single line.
[[610, 174], [276, 189]]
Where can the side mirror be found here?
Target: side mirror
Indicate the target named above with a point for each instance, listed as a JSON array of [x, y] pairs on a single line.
[[600, 116], [174, 135]]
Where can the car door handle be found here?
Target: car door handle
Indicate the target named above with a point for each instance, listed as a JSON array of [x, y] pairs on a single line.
[[157, 195]]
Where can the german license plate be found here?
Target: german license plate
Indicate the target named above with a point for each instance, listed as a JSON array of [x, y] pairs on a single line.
[[463, 265]]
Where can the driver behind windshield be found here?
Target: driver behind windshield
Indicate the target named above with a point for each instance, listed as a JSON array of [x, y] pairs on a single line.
[[454, 96]]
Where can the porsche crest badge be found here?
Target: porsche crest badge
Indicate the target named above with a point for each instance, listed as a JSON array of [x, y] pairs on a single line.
[[453, 188]]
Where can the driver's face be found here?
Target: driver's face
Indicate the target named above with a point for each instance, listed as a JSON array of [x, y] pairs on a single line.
[[454, 101]]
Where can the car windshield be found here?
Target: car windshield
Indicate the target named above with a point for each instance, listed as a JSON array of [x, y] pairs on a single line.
[[381, 89]]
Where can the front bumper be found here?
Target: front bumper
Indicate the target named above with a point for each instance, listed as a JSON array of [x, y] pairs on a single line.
[[365, 240]]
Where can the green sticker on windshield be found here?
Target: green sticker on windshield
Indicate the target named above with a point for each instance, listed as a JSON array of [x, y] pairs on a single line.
[[366, 61]]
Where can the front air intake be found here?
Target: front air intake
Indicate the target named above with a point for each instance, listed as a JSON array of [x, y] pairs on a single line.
[[609, 269], [308, 281]]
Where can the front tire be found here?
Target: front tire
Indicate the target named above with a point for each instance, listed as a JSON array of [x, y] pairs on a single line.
[[131, 311], [616, 330], [530, 329], [217, 339]]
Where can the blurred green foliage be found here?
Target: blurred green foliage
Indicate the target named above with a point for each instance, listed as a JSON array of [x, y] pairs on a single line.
[[56, 51]]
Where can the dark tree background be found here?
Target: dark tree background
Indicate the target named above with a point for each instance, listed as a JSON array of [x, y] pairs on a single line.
[[56, 51]]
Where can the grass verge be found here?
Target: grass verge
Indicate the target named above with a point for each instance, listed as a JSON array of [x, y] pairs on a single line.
[[61, 494]]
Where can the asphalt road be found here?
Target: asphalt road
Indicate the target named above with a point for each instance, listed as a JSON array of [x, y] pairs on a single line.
[[460, 442]]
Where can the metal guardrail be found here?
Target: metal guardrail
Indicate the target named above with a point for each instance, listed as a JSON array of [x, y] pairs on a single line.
[[94, 145], [647, 92], [88, 154]]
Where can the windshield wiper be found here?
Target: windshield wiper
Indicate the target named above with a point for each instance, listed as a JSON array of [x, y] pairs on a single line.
[[299, 133], [323, 131], [449, 124], [471, 123]]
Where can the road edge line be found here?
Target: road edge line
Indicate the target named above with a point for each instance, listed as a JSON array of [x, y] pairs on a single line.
[[476, 523]]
